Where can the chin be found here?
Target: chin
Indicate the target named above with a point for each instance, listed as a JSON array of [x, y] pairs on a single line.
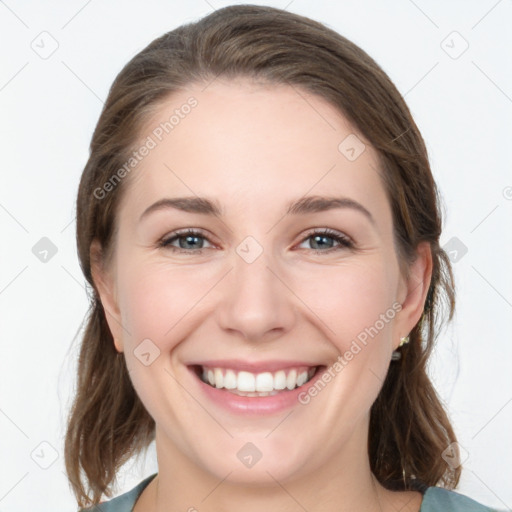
[[256, 461]]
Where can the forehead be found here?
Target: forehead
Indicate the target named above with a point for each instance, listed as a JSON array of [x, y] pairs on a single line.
[[251, 145]]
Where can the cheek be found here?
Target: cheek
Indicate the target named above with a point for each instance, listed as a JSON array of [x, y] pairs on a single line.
[[158, 304], [349, 299], [157, 301]]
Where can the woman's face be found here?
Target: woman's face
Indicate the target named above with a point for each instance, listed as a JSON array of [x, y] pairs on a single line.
[[254, 299]]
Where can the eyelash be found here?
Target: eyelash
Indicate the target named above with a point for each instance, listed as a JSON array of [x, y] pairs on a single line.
[[343, 241]]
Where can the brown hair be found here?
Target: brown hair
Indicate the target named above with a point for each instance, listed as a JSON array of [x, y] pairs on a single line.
[[409, 428]]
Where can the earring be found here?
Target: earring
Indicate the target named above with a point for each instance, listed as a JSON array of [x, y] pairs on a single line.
[[404, 340], [395, 356]]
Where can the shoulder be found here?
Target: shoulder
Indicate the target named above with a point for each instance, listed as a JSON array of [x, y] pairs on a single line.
[[123, 502], [437, 499]]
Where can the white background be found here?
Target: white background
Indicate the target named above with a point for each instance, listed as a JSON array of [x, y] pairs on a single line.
[[49, 107]]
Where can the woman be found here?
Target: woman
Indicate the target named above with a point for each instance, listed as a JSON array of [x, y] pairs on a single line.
[[260, 226]]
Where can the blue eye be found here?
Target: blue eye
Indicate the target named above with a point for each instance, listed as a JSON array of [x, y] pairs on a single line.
[[191, 241], [321, 239], [185, 239]]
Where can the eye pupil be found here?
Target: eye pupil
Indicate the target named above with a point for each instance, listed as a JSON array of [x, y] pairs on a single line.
[[322, 239], [189, 239]]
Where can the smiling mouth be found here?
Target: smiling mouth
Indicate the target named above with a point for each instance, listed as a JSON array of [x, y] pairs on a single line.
[[244, 383]]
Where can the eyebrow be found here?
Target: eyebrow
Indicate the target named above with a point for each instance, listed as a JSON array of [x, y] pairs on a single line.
[[305, 205]]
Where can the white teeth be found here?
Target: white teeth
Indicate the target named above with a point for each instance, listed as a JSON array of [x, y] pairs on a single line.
[[264, 382], [246, 382], [230, 379], [302, 378], [291, 380], [218, 377], [280, 380], [261, 384]]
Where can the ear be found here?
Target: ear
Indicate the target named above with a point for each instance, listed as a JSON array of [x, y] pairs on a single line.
[[105, 284], [413, 291]]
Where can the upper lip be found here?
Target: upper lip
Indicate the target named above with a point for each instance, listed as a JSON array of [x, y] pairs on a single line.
[[253, 366]]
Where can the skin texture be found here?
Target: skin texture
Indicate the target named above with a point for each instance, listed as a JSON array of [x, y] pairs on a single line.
[[255, 148]]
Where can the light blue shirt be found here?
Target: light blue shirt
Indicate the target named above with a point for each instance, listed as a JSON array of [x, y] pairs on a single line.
[[435, 499]]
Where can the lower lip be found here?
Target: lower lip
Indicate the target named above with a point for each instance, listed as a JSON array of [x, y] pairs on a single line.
[[255, 404]]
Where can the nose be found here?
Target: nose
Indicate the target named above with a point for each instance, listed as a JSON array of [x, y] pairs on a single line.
[[255, 302]]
